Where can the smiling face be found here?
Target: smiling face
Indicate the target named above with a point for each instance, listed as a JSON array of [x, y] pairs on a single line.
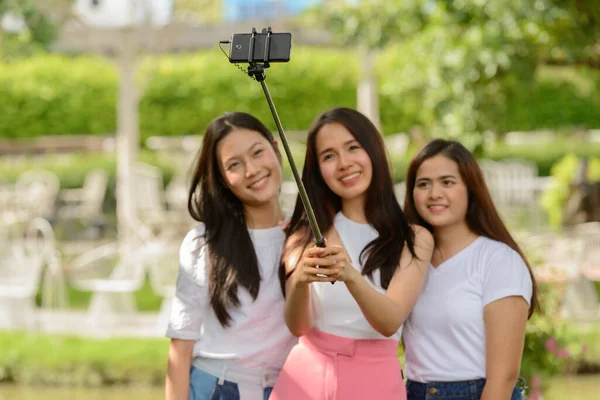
[[250, 167], [440, 195], [345, 165]]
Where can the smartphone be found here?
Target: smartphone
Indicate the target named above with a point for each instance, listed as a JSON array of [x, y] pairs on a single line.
[[280, 47]]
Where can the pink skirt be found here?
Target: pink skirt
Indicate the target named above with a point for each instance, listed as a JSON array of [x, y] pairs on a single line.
[[329, 367]]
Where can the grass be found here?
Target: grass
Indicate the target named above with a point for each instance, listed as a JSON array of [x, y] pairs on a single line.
[[581, 387], [37, 359], [145, 298]]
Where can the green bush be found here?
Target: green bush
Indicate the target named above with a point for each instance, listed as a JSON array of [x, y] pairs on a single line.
[[53, 94], [547, 155]]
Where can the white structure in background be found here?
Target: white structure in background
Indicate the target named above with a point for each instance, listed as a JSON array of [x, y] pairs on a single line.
[[12, 23], [121, 13]]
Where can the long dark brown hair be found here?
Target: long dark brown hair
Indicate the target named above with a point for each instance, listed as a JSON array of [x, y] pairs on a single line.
[[482, 217], [382, 210], [211, 202]]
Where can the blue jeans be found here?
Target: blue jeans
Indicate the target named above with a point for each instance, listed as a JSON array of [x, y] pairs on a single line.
[[462, 390], [204, 386]]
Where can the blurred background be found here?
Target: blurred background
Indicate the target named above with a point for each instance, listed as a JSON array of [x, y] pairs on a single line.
[[104, 102]]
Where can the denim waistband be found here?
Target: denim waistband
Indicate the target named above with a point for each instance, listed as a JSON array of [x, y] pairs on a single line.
[[472, 388], [458, 388]]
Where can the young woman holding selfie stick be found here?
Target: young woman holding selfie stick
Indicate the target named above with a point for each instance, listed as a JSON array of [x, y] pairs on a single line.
[[229, 339], [349, 331]]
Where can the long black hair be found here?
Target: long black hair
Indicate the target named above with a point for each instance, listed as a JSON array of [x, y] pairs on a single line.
[[211, 202], [382, 210]]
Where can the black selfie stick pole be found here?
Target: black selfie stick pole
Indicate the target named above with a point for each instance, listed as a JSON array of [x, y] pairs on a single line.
[[258, 72]]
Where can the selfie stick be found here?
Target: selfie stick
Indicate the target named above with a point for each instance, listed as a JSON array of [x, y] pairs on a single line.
[[258, 72]]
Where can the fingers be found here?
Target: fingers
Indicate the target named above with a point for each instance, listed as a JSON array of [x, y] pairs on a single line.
[[322, 262], [323, 251], [321, 271]]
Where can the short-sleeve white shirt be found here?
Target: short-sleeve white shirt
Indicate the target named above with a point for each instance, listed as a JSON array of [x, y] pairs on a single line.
[[335, 311], [444, 336], [257, 336]]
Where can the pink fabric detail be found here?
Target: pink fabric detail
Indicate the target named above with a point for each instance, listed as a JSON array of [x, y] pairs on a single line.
[[329, 367]]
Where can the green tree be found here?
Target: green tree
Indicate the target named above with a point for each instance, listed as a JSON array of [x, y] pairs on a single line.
[[458, 62], [42, 20]]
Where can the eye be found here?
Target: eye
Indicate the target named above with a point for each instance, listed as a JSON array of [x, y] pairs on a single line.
[[258, 152], [354, 147], [328, 156], [233, 165], [423, 185], [448, 182]]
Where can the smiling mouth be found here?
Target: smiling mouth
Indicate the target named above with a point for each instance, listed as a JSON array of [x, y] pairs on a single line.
[[437, 208], [259, 182], [350, 177]]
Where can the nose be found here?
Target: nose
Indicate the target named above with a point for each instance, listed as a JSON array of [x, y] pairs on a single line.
[[251, 169], [344, 161], [435, 192]]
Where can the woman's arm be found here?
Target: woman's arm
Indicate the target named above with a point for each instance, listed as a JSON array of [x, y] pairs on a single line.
[[298, 304], [505, 322], [177, 384], [387, 312]]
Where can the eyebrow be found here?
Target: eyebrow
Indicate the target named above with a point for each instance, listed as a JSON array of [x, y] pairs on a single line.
[[343, 144], [440, 177], [236, 155]]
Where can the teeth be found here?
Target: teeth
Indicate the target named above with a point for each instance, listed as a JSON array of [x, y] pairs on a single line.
[[259, 182], [347, 178], [437, 207]]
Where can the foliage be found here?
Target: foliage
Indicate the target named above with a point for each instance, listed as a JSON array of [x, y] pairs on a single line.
[[38, 97], [564, 172], [42, 20], [465, 59], [551, 344]]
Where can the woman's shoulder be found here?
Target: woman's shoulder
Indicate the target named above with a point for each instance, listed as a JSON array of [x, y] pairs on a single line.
[[194, 238], [495, 248], [191, 253], [422, 235]]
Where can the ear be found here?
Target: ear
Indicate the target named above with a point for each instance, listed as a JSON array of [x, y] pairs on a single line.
[[276, 144]]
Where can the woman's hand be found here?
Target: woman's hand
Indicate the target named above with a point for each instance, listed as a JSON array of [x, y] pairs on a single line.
[[314, 267], [345, 271]]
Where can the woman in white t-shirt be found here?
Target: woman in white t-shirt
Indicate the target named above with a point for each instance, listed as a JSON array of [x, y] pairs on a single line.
[[229, 339], [349, 331], [464, 338]]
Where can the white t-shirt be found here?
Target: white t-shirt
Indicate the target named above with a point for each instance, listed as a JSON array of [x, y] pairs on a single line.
[[257, 337], [445, 333], [334, 309]]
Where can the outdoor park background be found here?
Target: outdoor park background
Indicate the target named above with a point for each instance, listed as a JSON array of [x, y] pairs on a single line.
[[99, 95]]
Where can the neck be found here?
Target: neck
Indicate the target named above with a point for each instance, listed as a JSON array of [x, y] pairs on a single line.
[[354, 209], [263, 216], [450, 240]]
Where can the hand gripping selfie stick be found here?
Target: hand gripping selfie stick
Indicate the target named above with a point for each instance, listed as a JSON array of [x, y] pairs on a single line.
[[256, 70]]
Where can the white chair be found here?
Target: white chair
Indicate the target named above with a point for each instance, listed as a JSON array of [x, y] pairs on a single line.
[[36, 194], [22, 270], [85, 203], [112, 273]]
